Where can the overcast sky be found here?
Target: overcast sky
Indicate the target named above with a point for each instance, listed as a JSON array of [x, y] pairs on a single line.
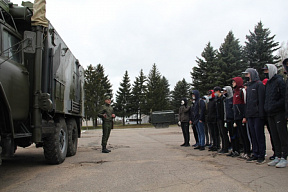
[[133, 34]]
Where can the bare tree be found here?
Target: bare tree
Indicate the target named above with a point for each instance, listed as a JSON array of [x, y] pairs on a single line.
[[283, 54]]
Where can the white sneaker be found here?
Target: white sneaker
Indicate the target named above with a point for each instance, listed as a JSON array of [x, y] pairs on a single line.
[[282, 163], [274, 162]]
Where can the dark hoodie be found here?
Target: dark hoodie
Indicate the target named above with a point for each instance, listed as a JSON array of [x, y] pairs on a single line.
[[211, 107], [286, 92], [275, 92], [255, 96], [197, 111], [220, 107], [238, 99], [184, 112], [228, 103]]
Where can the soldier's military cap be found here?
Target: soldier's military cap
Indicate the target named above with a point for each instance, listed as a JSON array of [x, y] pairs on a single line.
[[107, 97]]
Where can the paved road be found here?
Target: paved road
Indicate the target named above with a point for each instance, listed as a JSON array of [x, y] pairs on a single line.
[[144, 159]]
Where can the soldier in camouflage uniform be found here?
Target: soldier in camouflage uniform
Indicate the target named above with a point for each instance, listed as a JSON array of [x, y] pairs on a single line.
[[107, 115]]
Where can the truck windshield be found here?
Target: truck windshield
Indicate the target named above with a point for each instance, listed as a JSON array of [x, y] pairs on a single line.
[[10, 47]]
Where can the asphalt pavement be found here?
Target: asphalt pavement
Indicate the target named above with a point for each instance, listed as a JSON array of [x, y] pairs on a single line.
[[142, 159]]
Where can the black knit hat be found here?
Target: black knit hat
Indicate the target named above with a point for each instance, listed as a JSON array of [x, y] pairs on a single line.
[[217, 88]]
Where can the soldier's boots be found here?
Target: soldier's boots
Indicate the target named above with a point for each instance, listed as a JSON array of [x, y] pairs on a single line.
[[105, 150]]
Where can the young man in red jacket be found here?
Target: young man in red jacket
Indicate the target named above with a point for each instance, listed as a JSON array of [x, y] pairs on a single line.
[[239, 114]]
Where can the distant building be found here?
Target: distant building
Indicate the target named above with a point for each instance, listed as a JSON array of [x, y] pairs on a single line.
[[130, 120]]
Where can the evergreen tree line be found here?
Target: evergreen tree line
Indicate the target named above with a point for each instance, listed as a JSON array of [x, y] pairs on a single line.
[[215, 68], [145, 95]]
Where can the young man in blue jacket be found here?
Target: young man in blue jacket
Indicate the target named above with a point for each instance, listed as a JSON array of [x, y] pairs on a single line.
[[198, 118], [275, 108]]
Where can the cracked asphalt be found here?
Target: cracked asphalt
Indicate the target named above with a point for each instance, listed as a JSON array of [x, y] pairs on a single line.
[[144, 159]]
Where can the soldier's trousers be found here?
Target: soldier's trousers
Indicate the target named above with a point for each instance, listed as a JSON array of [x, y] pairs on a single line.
[[106, 129]]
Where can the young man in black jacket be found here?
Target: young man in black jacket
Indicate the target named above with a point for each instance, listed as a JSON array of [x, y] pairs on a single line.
[[229, 120], [275, 109], [285, 66], [212, 121], [220, 120], [255, 114]]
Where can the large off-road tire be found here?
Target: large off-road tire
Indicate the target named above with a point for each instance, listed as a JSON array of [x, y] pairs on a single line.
[[55, 144], [72, 137]]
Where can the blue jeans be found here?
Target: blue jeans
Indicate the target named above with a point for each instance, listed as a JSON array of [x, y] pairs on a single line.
[[201, 133]]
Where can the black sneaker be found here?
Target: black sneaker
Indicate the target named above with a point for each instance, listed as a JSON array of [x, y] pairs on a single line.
[[230, 154], [183, 145], [198, 147], [202, 148], [214, 149], [272, 157], [260, 161], [252, 159], [211, 148], [221, 152], [187, 145], [236, 154]]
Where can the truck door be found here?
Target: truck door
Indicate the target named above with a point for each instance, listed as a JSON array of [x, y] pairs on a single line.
[[14, 77]]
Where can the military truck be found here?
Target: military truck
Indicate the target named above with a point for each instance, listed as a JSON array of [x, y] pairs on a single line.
[[41, 84], [162, 119]]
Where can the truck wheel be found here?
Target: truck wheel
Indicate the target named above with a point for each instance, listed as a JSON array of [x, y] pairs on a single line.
[[72, 137], [55, 144]]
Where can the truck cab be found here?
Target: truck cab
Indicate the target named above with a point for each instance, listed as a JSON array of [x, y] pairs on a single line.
[[41, 86]]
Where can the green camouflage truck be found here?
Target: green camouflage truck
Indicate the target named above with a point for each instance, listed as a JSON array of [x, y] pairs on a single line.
[[41, 84]]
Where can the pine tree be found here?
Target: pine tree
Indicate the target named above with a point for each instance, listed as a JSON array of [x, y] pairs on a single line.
[[165, 96], [230, 60], [89, 105], [96, 87], [205, 75], [139, 91], [259, 48], [181, 90], [123, 106], [156, 91]]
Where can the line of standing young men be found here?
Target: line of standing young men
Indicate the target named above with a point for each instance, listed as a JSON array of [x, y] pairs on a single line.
[[235, 118]]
